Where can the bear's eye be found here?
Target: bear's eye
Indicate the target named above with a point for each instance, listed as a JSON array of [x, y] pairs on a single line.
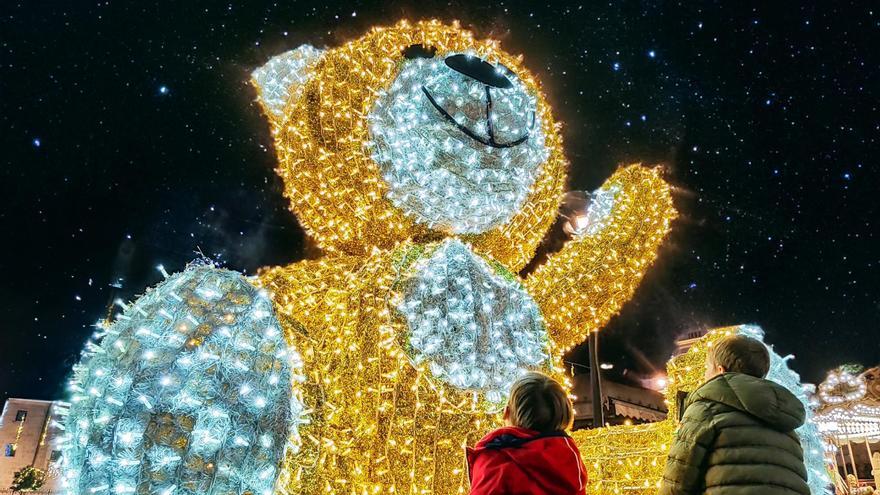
[[419, 51]]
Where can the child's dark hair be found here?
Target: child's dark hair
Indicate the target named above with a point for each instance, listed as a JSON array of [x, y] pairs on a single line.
[[538, 402], [741, 354]]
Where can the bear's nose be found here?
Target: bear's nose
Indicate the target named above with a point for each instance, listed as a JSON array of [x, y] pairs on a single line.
[[478, 69]]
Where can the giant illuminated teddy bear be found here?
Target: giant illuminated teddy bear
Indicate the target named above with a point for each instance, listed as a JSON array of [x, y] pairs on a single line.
[[427, 167]]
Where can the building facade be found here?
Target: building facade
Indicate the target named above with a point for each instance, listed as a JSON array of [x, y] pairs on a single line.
[[29, 430], [622, 403]]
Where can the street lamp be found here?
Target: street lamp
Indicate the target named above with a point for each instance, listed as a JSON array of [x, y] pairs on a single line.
[[575, 209], [659, 382], [596, 380]]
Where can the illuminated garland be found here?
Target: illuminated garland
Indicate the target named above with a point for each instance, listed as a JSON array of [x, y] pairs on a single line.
[[841, 386], [847, 408], [854, 421], [631, 459], [188, 392]]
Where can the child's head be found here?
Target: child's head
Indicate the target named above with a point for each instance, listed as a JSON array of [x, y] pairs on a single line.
[[738, 354], [537, 402]]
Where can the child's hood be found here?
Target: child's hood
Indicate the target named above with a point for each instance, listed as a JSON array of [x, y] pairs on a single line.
[[549, 461], [764, 399]]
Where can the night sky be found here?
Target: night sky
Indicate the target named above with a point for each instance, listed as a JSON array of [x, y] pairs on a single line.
[[130, 138]]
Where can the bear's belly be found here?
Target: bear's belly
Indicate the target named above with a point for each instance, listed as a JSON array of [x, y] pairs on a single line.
[[470, 323], [393, 393]]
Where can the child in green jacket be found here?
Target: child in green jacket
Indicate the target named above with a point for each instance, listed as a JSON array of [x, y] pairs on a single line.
[[737, 433]]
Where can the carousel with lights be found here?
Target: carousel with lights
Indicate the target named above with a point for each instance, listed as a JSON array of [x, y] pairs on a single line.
[[848, 415], [427, 166]]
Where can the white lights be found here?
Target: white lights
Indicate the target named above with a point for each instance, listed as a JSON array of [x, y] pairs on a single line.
[[465, 176], [281, 79], [841, 386], [847, 411], [598, 213], [811, 440], [474, 328], [165, 387], [856, 422]]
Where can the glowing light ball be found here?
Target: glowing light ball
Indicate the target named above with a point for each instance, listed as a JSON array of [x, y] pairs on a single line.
[[188, 392]]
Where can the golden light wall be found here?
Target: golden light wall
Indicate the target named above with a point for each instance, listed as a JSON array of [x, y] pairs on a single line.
[[379, 424]]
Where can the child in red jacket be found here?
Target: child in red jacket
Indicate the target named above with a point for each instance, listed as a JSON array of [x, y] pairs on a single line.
[[532, 455]]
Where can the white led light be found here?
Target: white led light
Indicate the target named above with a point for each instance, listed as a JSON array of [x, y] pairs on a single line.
[[434, 170], [841, 386], [473, 328], [282, 78], [151, 421], [598, 213]]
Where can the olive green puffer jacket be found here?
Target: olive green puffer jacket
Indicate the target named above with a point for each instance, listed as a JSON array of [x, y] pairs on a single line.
[[737, 438]]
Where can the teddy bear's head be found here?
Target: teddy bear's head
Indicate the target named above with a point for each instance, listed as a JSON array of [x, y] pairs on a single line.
[[418, 131]]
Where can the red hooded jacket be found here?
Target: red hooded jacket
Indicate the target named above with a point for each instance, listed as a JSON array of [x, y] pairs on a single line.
[[517, 461]]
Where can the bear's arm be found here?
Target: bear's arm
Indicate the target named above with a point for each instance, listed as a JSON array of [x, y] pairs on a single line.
[[587, 282]]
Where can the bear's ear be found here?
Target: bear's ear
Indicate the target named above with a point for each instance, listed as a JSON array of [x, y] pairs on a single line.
[[282, 79]]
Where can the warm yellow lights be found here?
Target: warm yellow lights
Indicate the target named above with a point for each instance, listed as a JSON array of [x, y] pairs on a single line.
[[378, 424], [586, 283]]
